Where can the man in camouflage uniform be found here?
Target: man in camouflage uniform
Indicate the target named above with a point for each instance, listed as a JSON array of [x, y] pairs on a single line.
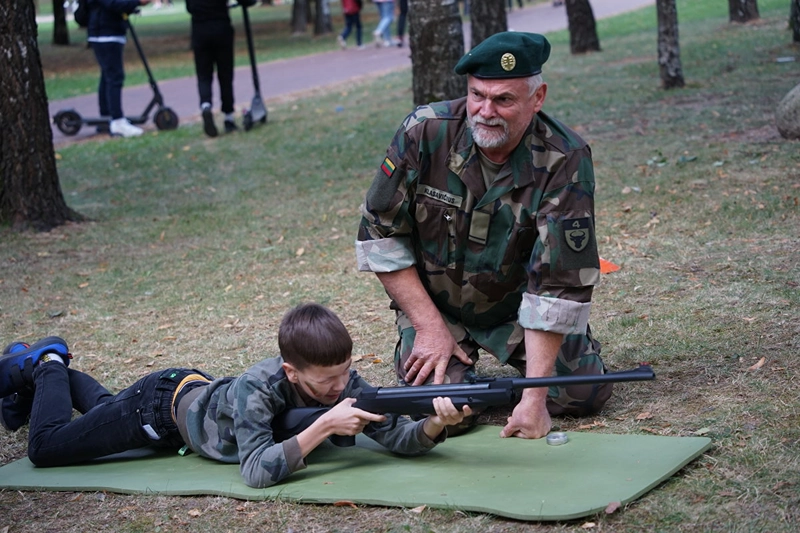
[[227, 419], [480, 226]]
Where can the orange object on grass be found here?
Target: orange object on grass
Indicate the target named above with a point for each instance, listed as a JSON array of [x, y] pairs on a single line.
[[607, 267]]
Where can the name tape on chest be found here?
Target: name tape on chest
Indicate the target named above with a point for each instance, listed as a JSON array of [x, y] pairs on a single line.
[[442, 196]]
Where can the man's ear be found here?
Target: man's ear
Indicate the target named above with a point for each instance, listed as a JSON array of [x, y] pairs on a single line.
[[291, 372], [539, 97]]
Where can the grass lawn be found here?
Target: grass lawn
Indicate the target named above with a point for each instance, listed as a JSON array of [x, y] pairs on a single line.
[[198, 246]]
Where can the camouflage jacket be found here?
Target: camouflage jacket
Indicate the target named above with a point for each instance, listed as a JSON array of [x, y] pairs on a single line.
[[524, 249], [230, 421]]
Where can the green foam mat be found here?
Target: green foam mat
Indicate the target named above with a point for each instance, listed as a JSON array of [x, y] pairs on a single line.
[[479, 472]]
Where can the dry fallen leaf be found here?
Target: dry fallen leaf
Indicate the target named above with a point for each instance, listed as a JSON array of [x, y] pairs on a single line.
[[588, 525], [345, 503], [299, 252], [613, 506], [194, 512], [759, 364], [644, 416], [419, 509]]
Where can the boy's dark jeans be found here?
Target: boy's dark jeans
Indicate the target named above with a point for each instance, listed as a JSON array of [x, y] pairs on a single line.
[[112, 423]]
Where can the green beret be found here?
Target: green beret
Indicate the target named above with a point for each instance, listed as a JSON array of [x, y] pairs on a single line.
[[509, 54]]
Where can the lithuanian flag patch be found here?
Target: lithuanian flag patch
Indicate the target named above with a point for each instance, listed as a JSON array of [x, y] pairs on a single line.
[[388, 167]]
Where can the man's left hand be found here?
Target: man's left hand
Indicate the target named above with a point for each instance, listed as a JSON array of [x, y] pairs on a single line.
[[529, 420]]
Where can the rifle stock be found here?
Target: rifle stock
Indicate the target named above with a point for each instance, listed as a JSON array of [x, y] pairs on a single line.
[[480, 394]]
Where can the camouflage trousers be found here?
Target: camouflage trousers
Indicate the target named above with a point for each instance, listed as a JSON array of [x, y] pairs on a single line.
[[579, 355]]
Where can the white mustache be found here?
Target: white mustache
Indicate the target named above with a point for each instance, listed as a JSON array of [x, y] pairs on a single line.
[[489, 121]]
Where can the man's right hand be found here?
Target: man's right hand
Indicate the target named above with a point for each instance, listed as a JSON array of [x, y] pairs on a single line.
[[431, 353]]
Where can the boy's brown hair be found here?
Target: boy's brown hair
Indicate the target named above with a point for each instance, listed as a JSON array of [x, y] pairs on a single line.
[[311, 334]]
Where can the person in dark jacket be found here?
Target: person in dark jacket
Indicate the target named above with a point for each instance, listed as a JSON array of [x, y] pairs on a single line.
[[212, 44], [106, 35]]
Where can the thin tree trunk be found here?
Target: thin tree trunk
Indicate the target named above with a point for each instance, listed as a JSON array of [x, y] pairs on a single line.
[[60, 30], [299, 16], [669, 50], [30, 193], [794, 20], [436, 38], [582, 27], [322, 18], [487, 17], [743, 10]]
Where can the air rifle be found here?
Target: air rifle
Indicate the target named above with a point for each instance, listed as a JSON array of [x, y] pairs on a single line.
[[478, 394]]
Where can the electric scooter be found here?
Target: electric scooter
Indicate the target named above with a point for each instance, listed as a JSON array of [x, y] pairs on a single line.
[[257, 111], [69, 121]]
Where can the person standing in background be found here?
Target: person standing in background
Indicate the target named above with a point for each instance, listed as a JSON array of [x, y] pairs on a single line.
[[212, 44], [402, 6], [352, 19], [383, 33], [106, 32]]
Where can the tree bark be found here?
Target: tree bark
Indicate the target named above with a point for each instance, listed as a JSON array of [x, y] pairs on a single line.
[[487, 17], [436, 39], [322, 18], [30, 193], [669, 50], [794, 20], [60, 30], [743, 10], [299, 16], [582, 27]]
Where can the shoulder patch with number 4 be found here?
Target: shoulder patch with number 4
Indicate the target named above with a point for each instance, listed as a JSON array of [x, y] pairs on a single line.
[[577, 233]]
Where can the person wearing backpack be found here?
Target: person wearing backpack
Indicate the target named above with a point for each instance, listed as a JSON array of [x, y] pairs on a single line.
[[106, 32], [352, 19]]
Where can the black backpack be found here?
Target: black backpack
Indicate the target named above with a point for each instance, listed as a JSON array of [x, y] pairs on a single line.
[[81, 13]]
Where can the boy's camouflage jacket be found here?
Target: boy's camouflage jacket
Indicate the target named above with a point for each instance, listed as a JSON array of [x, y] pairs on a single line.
[[231, 421]]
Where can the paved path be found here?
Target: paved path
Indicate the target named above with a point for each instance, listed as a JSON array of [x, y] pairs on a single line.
[[284, 77]]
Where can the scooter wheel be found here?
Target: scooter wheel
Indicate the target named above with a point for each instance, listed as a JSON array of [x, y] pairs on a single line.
[[166, 119], [264, 118], [247, 120], [68, 121]]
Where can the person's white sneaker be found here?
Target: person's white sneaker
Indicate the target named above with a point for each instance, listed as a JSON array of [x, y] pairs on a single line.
[[122, 128], [341, 42]]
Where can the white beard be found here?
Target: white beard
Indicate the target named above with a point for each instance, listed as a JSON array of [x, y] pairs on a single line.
[[485, 138]]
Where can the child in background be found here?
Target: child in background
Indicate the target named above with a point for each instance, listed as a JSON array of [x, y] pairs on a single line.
[[352, 18]]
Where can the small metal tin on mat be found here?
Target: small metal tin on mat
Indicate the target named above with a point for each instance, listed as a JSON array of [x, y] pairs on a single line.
[[557, 438]]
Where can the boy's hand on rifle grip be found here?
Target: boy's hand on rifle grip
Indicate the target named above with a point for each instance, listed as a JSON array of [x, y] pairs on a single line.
[[344, 419]]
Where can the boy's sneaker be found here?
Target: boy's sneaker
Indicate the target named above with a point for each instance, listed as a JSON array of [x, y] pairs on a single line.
[[15, 411], [121, 127], [341, 42], [16, 366], [230, 126], [208, 122]]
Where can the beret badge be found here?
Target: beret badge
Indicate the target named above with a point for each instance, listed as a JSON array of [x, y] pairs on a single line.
[[508, 62]]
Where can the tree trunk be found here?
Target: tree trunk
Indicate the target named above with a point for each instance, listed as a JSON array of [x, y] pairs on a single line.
[[669, 51], [322, 18], [436, 38], [30, 193], [743, 10], [60, 30], [487, 17], [582, 27], [299, 16], [794, 20]]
